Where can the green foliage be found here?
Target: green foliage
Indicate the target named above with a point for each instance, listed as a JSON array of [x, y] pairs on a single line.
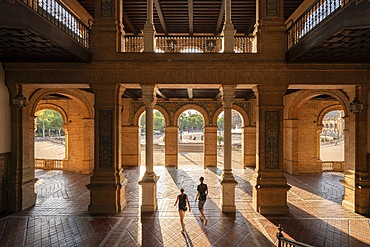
[[191, 121], [220, 139], [220, 123], [49, 120], [158, 121]]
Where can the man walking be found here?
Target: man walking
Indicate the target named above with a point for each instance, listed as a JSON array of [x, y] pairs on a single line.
[[202, 195]]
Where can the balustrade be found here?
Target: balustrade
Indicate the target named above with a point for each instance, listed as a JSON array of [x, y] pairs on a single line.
[[187, 44], [59, 15], [312, 18], [47, 164]]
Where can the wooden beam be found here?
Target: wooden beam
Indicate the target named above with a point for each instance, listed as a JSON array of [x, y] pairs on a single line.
[[163, 96], [190, 93], [160, 15], [218, 95], [220, 16], [191, 15], [250, 27], [128, 22], [128, 94]]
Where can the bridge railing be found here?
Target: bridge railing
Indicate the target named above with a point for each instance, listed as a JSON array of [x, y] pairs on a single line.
[[315, 15], [189, 44], [60, 16]]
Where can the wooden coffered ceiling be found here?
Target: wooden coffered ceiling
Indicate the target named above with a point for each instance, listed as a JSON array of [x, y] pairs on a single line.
[[190, 17]]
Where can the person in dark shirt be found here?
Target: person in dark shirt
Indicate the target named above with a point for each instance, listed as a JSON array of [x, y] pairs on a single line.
[[182, 199], [202, 195]]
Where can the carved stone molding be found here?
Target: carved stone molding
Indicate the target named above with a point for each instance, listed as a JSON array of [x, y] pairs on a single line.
[[272, 126], [105, 138]]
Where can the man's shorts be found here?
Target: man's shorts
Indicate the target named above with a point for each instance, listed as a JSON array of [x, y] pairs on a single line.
[[201, 204]]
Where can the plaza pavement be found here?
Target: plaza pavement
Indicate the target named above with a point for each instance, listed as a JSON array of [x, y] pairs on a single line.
[[60, 216]]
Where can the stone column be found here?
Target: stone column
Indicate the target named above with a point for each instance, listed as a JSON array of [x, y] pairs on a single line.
[[19, 187], [228, 31], [270, 29], [149, 30], [149, 180], [172, 146], [249, 146], [88, 155], [108, 184], [131, 151], [356, 176], [210, 146], [270, 185], [291, 146], [107, 36], [228, 181]]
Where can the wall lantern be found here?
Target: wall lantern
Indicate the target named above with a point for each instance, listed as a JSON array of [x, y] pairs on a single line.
[[356, 105], [19, 100]]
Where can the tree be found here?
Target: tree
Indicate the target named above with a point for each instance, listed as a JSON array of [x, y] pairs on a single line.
[[49, 120], [220, 123], [158, 121]]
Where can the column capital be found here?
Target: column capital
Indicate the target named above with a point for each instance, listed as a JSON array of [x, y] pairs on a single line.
[[149, 95], [228, 95]]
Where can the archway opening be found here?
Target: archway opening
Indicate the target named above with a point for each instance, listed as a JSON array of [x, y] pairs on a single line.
[[50, 140], [159, 124], [236, 139], [191, 138], [332, 141]]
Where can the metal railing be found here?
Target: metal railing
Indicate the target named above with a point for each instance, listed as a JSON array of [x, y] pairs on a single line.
[[60, 16], [49, 164], [285, 242], [186, 44], [312, 18]]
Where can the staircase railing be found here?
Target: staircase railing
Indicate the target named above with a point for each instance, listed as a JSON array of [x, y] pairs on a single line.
[[312, 18], [285, 242], [59, 15]]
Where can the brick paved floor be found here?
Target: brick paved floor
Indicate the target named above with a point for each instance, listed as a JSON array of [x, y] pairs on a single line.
[[60, 217]]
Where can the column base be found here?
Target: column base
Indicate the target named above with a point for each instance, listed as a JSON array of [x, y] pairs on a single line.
[[270, 200], [106, 195], [21, 198], [149, 192], [228, 184]]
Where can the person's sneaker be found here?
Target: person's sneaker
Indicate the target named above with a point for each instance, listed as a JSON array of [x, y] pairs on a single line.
[[205, 222]]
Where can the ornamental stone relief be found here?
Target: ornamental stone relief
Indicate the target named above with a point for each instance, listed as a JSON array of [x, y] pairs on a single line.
[[106, 8], [247, 107], [272, 7], [272, 126], [105, 138]]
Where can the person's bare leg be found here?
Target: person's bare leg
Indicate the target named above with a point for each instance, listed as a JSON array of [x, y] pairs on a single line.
[[182, 214]]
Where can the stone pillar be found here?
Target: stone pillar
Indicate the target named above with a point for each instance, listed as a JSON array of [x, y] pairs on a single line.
[[291, 146], [270, 185], [210, 146], [149, 29], [88, 142], [356, 177], [19, 188], [172, 147], [249, 146], [228, 31], [107, 36], [131, 152], [270, 29], [108, 184], [228, 181], [149, 180]]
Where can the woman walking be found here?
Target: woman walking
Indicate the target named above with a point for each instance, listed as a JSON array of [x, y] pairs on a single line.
[[182, 199]]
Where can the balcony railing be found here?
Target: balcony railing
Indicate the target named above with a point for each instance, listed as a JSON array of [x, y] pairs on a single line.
[[49, 164], [186, 44], [59, 15], [332, 166], [285, 242], [312, 18]]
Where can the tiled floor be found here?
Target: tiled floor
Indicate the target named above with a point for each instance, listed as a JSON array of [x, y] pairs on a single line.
[[60, 217]]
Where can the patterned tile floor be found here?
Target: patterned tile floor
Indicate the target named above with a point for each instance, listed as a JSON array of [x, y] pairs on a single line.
[[60, 217]]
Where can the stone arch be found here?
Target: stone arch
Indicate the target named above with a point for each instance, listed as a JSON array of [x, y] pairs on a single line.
[[306, 95], [336, 107], [48, 106], [156, 107], [237, 108], [37, 96], [198, 108]]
